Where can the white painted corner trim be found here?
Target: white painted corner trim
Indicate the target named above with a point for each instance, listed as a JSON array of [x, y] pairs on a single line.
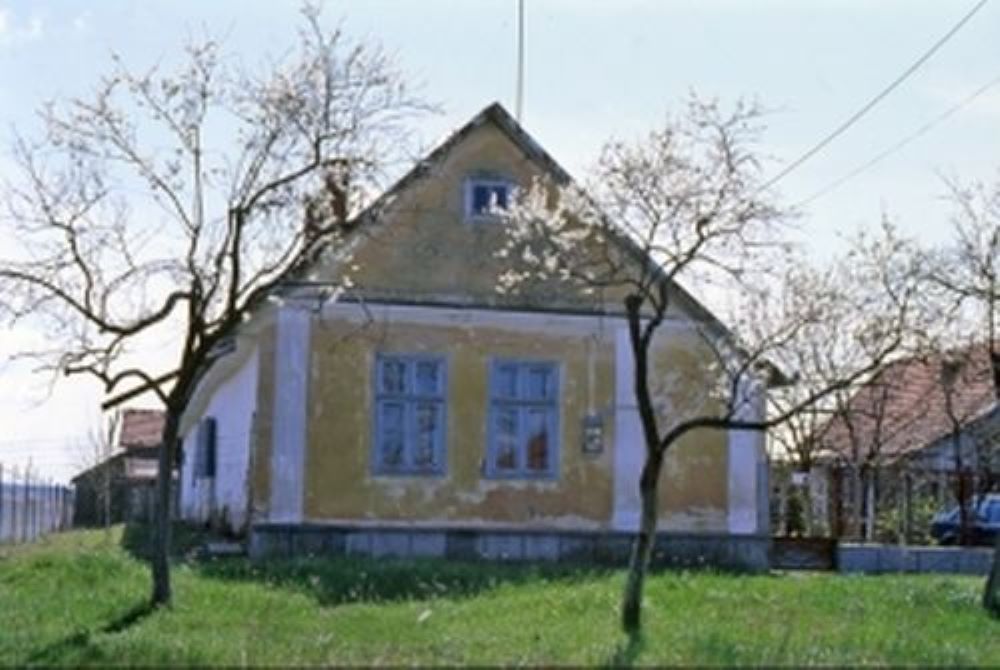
[[745, 456], [291, 394], [629, 447]]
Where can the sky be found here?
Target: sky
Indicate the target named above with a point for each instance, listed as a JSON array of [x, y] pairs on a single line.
[[594, 70]]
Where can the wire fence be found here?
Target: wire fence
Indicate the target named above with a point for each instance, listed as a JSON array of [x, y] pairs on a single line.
[[31, 506]]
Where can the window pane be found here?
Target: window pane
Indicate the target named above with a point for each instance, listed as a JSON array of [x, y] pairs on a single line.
[[428, 378], [428, 428], [391, 436], [505, 381], [486, 196], [480, 199], [393, 376], [539, 383], [505, 439], [499, 197], [537, 440]]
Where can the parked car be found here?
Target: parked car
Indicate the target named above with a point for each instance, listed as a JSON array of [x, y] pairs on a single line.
[[984, 521]]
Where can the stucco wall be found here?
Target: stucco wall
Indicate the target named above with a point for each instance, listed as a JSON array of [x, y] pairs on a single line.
[[423, 247], [339, 484], [694, 494], [424, 253], [231, 402], [260, 466]]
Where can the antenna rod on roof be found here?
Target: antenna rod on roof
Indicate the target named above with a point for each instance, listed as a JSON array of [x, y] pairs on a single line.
[[519, 38]]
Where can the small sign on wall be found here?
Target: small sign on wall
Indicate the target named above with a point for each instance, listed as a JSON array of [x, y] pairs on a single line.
[[593, 434]]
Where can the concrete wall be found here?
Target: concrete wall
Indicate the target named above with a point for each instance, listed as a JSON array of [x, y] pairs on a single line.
[[338, 482], [866, 558]]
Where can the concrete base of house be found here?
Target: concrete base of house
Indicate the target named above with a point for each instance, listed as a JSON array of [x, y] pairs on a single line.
[[881, 558], [732, 552]]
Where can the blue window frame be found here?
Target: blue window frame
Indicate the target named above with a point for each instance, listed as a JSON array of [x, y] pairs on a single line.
[[409, 422], [483, 194], [205, 449], [524, 419]]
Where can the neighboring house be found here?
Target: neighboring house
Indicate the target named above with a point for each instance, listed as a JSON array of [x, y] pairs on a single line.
[[122, 485], [922, 428], [425, 412]]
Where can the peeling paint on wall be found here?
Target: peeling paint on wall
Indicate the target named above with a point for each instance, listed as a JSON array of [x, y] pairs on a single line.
[[339, 481]]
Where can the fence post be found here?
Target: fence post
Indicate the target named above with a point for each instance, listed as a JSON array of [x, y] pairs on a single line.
[[32, 509], [47, 508], [12, 513], [50, 505], [46, 513], [29, 510], [1, 504], [25, 503]]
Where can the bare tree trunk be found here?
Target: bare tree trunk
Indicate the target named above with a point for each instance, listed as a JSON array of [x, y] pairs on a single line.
[[963, 507], [857, 501], [991, 594], [783, 507], [107, 501], [870, 504], [160, 560], [807, 506], [642, 550], [907, 515]]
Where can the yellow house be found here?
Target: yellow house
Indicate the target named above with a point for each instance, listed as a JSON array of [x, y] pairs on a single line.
[[424, 412]]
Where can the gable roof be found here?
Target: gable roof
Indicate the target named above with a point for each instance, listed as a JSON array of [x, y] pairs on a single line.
[[905, 407], [496, 114]]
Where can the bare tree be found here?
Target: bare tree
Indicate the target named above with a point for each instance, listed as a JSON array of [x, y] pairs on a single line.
[[684, 203], [968, 272], [848, 427], [170, 204]]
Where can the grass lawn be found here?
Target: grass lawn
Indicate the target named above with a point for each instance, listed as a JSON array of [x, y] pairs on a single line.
[[79, 598]]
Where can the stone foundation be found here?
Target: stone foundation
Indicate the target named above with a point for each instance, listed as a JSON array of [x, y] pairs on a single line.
[[731, 552]]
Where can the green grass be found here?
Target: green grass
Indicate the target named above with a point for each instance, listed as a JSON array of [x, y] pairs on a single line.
[[79, 599]]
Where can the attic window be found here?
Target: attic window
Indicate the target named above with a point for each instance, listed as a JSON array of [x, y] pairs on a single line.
[[484, 196]]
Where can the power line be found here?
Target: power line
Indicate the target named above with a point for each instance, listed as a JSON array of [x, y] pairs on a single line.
[[922, 130], [519, 88], [839, 130]]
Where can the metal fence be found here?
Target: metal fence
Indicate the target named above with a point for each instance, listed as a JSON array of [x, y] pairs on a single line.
[[31, 506]]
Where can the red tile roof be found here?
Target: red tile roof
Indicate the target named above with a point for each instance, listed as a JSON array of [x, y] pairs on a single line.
[[141, 428], [904, 408]]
